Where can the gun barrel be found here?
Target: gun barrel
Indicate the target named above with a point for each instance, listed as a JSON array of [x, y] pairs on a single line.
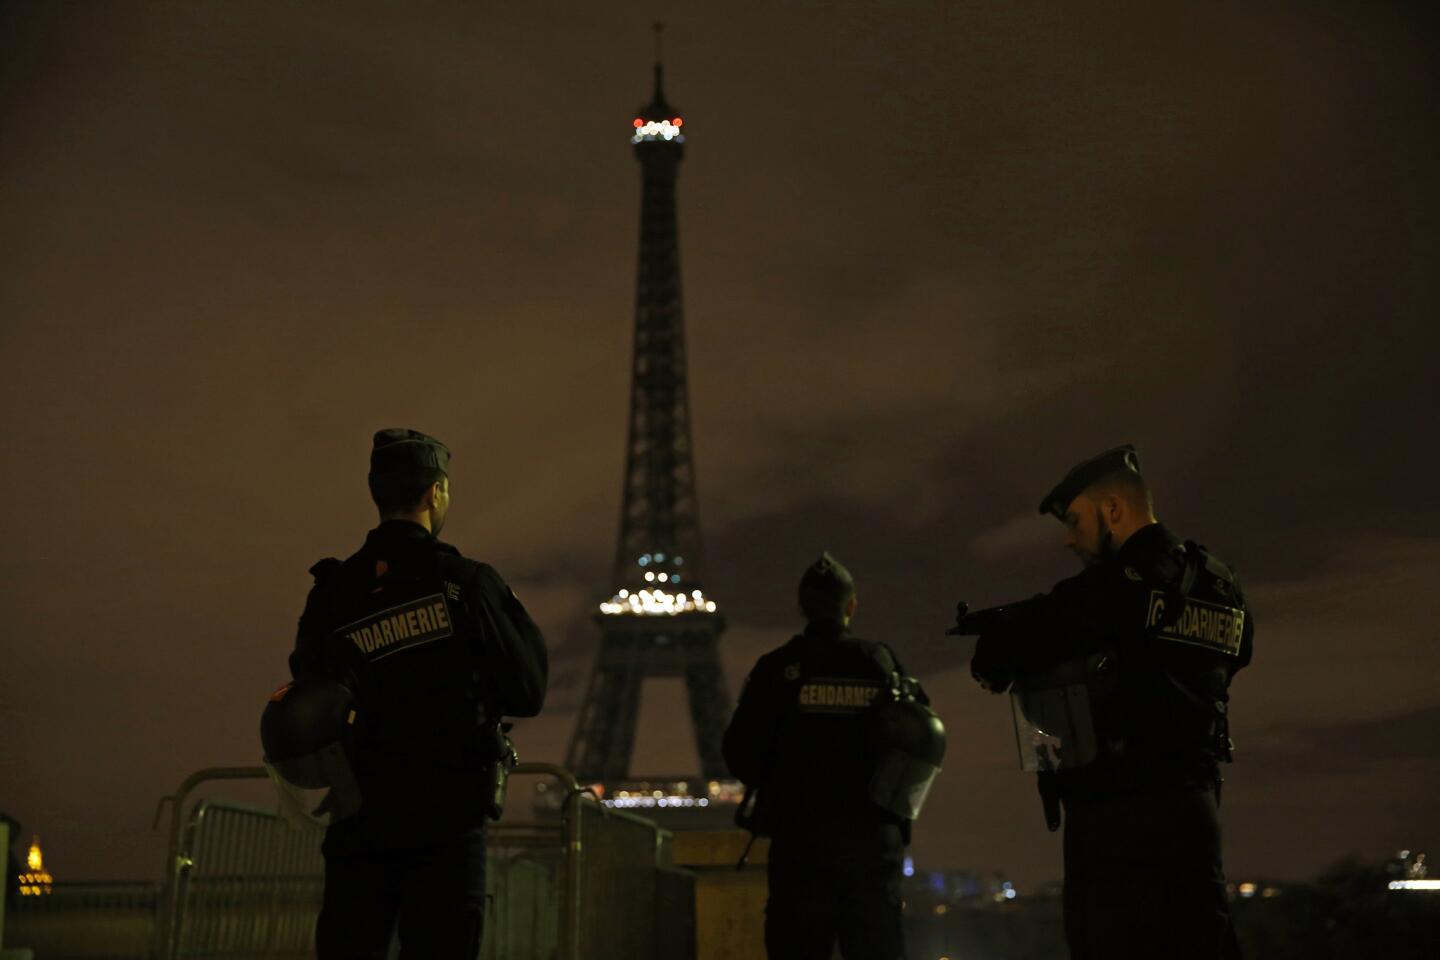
[[970, 623]]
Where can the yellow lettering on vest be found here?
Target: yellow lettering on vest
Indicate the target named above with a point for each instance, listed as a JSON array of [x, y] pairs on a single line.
[[441, 615], [423, 616]]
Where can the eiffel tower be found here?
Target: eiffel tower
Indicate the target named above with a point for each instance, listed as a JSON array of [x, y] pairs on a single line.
[[659, 622]]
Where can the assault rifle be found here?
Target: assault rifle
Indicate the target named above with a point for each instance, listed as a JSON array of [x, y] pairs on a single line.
[[969, 624], [992, 621]]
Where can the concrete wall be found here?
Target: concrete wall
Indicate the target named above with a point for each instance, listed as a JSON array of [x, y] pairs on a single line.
[[729, 903]]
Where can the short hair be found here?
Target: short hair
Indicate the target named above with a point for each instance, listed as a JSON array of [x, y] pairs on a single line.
[[397, 492], [1127, 485]]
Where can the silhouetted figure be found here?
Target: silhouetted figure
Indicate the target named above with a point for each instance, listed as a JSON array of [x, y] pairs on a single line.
[[436, 649], [803, 735], [1120, 679]]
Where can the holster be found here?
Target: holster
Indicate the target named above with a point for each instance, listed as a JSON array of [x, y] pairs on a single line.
[[1048, 783], [755, 812], [753, 815], [497, 771]]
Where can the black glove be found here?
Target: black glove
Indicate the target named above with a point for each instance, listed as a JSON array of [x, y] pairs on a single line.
[[989, 668]]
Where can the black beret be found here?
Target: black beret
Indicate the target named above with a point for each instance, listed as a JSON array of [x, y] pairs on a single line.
[[1115, 460], [827, 576], [399, 452]]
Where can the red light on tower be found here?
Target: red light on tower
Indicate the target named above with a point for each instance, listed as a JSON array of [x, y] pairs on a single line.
[[639, 123], [678, 122]]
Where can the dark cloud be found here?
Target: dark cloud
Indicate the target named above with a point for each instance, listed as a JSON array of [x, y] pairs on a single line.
[[933, 254]]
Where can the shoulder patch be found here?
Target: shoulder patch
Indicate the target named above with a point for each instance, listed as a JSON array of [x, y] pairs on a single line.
[[1198, 623], [1134, 574]]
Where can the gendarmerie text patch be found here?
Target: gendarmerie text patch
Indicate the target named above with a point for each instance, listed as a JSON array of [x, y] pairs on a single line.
[[1209, 625], [400, 628]]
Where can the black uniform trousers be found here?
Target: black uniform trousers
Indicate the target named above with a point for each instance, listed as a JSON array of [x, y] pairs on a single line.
[[1143, 876], [436, 894], [823, 891]]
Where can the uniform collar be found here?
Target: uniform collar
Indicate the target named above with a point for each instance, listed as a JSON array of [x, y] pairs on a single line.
[[826, 630], [398, 531], [1154, 538]]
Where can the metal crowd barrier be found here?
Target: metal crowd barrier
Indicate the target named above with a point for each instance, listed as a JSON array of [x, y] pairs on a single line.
[[575, 879]]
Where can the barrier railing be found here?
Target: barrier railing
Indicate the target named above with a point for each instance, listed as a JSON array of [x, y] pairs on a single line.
[[569, 880]]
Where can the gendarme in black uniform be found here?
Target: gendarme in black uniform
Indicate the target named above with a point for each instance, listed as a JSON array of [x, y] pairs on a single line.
[[1157, 628], [436, 648], [799, 735]]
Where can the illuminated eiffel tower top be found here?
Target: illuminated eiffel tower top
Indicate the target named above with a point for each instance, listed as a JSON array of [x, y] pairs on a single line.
[[658, 557]]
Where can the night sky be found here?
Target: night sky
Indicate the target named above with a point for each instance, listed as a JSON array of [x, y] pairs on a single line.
[[934, 253]]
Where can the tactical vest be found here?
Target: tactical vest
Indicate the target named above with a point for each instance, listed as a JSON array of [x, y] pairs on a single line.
[[401, 639], [827, 754], [1151, 706]]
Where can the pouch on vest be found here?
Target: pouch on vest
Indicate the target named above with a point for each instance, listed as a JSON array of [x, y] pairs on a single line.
[[1054, 714]]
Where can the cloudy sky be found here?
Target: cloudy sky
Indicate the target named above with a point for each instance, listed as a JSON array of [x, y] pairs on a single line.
[[934, 253]]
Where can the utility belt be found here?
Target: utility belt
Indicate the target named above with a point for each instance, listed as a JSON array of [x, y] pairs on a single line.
[[1119, 777], [1075, 756]]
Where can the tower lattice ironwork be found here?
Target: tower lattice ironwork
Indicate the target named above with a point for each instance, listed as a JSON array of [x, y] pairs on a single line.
[[659, 622]]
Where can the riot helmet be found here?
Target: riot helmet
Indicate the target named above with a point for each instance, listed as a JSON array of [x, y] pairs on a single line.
[[908, 744], [306, 731]]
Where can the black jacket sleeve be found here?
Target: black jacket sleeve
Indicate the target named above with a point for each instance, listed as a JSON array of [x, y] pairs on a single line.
[[308, 657], [750, 739], [1079, 616], [1247, 634], [512, 650]]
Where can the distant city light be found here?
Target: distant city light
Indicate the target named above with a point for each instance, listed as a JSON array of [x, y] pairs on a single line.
[[1415, 884], [37, 882], [621, 801], [909, 868], [1246, 889]]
